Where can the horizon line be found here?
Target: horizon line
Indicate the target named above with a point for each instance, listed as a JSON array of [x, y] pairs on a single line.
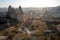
[[28, 7]]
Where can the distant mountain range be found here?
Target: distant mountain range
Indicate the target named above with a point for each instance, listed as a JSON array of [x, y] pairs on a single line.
[[55, 11], [3, 9]]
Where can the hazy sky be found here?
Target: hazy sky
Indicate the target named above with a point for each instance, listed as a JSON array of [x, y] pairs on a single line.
[[30, 3]]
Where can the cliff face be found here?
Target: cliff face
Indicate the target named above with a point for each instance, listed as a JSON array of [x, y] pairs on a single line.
[[15, 13]]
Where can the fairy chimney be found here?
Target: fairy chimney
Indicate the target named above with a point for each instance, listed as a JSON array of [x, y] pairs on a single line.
[[20, 14], [11, 12], [15, 13]]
